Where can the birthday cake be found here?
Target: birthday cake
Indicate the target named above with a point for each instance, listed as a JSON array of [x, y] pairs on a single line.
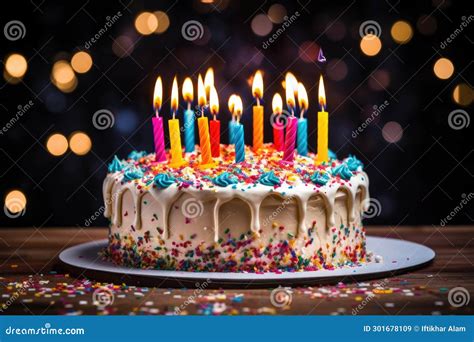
[[260, 215]]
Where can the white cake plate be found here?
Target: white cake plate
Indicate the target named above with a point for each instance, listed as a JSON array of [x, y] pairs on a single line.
[[398, 256]]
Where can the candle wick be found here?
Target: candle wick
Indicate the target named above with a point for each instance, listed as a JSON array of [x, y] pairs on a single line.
[[214, 117], [174, 115], [157, 113], [189, 105], [258, 101], [302, 113]]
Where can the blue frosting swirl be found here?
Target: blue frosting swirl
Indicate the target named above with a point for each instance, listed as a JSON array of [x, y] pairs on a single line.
[[116, 165], [354, 164], [135, 155], [332, 155], [320, 178], [163, 180], [225, 179], [342, 170], [132, 173], [269, 179]]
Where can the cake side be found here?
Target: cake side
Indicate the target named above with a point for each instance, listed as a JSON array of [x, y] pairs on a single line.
[[261, 215]]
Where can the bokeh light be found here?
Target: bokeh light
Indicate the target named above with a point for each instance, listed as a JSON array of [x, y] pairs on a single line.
[[392, 132], [277, 13], [15, 201], [443, 68], [146, 23], [337, 69], [380, 80], [261, 25], [80, 143], [163, 21], [427, 25], [123, 46], [337, 31], [463, 94], [81, 62], [57, 144], [16, 65], [370, 45], [63, 76], [308, 51], [401, 32]]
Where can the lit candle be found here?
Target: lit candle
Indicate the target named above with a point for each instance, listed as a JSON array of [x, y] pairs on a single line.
[[189, 135], [322, 126], [278, 126], [239, 132], [291, 128], [203, 125], [209, 83], [257, 91], [215, 124], [157, 122], [175, 134], [232, 122], [302, 140]]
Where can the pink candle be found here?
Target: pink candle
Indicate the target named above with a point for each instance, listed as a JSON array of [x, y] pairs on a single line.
[[159, 138], [290, 140]]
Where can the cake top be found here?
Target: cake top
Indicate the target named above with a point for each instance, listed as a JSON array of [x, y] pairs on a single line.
[[265, 168]]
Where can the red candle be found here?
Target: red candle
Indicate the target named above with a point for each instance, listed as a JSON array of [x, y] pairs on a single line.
[[215, 125]]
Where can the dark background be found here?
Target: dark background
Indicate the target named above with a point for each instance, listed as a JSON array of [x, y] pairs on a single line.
[[417, 180]]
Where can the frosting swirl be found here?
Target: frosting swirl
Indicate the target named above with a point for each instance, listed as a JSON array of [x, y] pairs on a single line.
[[269, 179], [354, 164], [163, 180], [225, 179], [116, 165], [135, 155], [320, 178], [132, 173], [342, 170]]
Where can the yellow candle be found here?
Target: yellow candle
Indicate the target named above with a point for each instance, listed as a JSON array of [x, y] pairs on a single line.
[[204, 141], [175, 134], [257, 91], [323, 122]]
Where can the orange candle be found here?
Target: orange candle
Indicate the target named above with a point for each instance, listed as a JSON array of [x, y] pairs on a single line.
[[257, 91], [203, 126]]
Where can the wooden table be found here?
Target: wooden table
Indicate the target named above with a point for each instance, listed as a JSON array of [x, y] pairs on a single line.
[[29, 263]]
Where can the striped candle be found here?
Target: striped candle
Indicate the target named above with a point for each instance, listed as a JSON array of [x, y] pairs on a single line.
[[302, 140], [290, 140], [239, 143], [159, 138]]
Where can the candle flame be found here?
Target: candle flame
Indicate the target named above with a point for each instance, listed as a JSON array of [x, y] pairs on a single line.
[[291, 85], [231, 103], [201, 92], [257, 85], [302, 97], [158, 94], [188, 93], [214, 101], [209, 81], [238, 106], [174, 96], [322, 93], [277, 104]]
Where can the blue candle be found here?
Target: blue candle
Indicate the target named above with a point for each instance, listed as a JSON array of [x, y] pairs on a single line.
[[302, 140], [189, 135], [232, 126], [239, 143]]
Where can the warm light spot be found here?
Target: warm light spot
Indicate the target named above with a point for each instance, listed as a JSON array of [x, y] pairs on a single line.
[[308, 51], [163, 21], [277, 13], [57, 144], [443, 68], [261, 25], [123, 46], [81, 62], [370, 45], [15, 201], [401, 32], [146, 23], [379, 80], [392, 132], [63, 76], [80, 143], [463, 94], [16, 65]]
